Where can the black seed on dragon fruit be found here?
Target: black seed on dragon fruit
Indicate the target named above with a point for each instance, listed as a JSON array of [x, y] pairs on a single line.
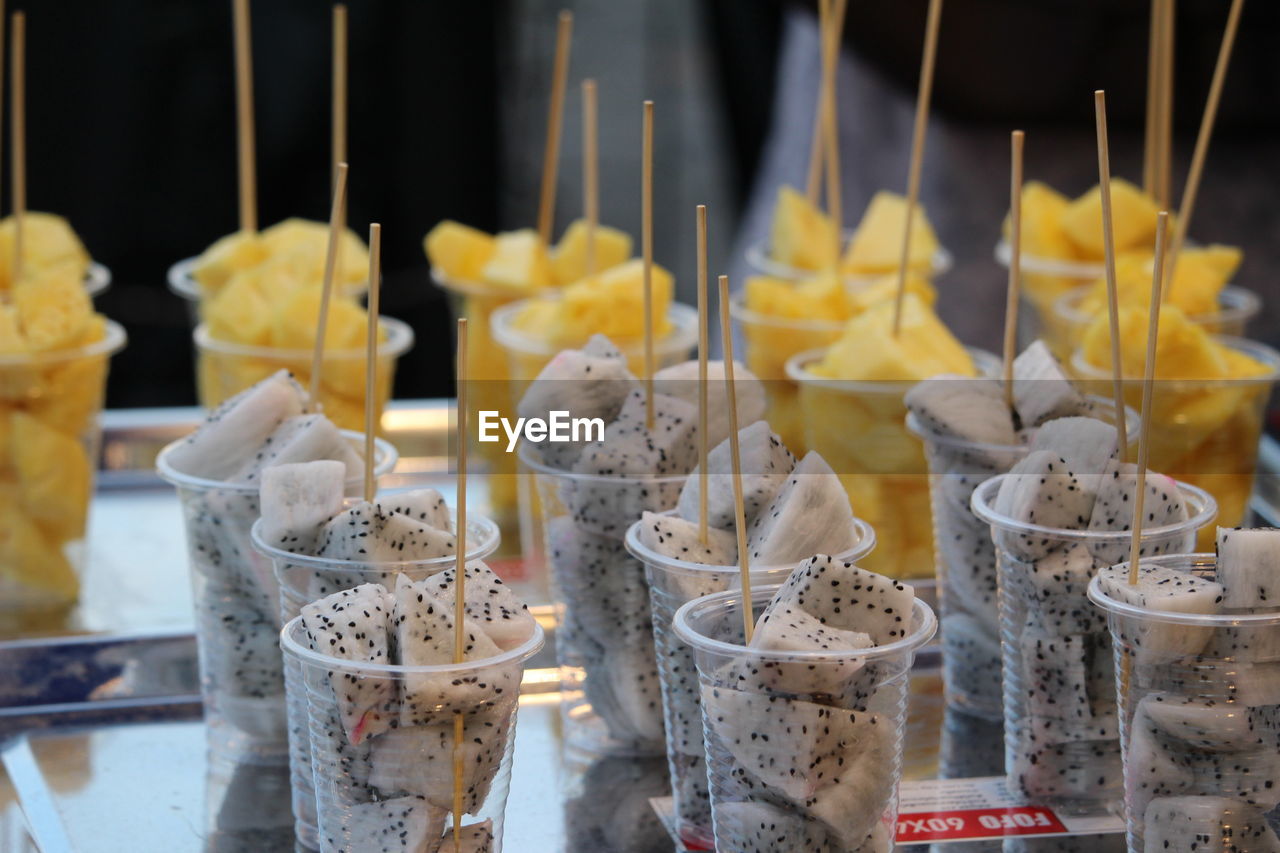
[[765, 464], [1167, 589], [1206, 824], [1113, 510], [674, 537], [297, 501], [489, 603], [1042, 490], [401, 825]]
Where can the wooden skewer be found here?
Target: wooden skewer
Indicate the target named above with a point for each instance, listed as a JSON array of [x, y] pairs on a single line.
[[1109, 246], [555, 116], [244, 117], [590, 170], [739, 507], [339, 93], [813, 184], [704, 440], [460, 574], [1148, 381], [646, 246], [1192, 186], [371, 358], [322, 322], [917, 150], [831, 144], [1014, 289], [1166, 106], [1149, 131], [18, 127]]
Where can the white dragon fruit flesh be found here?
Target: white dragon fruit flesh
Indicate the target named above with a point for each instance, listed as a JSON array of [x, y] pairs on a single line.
[[972, 410], [760, 827], [764, 462], [301, 438], [1113, 510], [971, 660], [1041, 389], [419, 760], [1041, 490], [400, 825], [1166, 589], [842, 595], [1064, 702], [809, 514], [1087, 444], [297, 500], [674, 537], [365, 532], [474, 838], [488, 602], [1206, 824], [425, 505], [681, 381]]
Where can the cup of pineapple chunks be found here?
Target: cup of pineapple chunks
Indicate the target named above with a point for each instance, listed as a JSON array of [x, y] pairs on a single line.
[[50, 400]]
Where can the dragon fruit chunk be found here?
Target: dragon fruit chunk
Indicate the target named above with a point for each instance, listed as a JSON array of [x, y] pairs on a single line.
[[1082, 769], [1113, 510], [971, 660], [787, 628], [845, 596], [810, 514], [489, 603], [972, 410], [1205, 824], [1041, 389], [1061, 708], [765, 463], [301, 438], [475, 837], [1054, 587], [352, 625], [297, 500], [681, 381], [760, 827], [1248, 567], [1165, 589], [1087, 444], [1042, 490], [1211, 724], [365, 533], [425, 505], [674, 537], [1154, 766], [602, 585], [401, 825], [419, 760]]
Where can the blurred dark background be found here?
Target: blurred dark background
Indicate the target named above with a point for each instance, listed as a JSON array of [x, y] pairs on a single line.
[[131, 132]]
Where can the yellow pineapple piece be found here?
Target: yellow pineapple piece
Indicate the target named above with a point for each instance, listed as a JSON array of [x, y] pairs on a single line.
[[303, 245], [569, 257], [70, 391], [802, 236], [34, 571], [53, 308], [610, 303], [886, 288], [821, 298], [519, 262], [12, 341], [868, 348], [239, 313], [458, 251], [1200, 276], [47, 241], [54, 476], [1043, 209], [232, 254], [876, 246], [1133, 216], [294, 322]]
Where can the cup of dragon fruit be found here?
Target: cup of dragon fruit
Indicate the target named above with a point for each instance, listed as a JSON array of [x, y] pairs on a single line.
[[303, 579], [815, 770], [1061, 727], [1197, 645], [672, 583], [237, 608], [611, 701], [394, 785]]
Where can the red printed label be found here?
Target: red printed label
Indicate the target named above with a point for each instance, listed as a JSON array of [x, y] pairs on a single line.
[[970, 824]]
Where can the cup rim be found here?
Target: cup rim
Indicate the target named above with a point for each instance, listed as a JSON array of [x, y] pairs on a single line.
[[1085, 270], [97, 278], [475, 287], [683, 335], [112, 341], [758, 258], [182, 281], [399, 339], [760, 596], [1234, 303], [797, 368], [386, 455], [1132, 421], [477, 549], [739, 311], [525, 455], [520, 653], [982, 502], [1256, 350], [1213, 620], [866, 543]]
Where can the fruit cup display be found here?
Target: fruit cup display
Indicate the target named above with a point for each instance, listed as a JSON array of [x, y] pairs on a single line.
[[804, 734], [1062, 735], [1197, 643]]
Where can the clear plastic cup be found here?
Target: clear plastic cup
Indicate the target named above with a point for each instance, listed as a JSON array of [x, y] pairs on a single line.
[[396, 788], [759, 260], [237, 608], [49, 407], [1066, 323], [841, 794], [611, 701], [224, 369], [672, 583], [1044, 282], [1205, 431], [1200, 720], [1061, 733], [966, 560], [183, 284], [860, 429], [303, 579]]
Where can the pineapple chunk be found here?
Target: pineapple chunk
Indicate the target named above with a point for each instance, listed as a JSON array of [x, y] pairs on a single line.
[[458, 251], [610, 303], [876, 246], [54, 477], [239, 313], [1133, 216], [47, 240], [53, 307], [293, 325], [1183, 349], [12, 341], [519, 262], [868, 349], [34, 572], [864, 297], [303, 245], [1197, 282], [569, 257], [70, 391], [1043, 209], [823, 297], [232, 254], [802, 236]]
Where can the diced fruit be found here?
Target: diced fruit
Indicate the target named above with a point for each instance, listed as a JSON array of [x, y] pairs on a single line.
[[802, 236], [1133, 216], [876, 246], [569, 257], [54, 477], [816, 299], [53, 308], [34, 572], [303, 245], [869, 349], [47, 241], [886, 287], [12, 341], [232, 254], [1043, 209], [519, 262], [459, 251], [610, 303], [293, 324], [239, 313]]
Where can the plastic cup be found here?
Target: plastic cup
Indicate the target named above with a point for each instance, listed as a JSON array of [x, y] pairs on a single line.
[[1199, 720], [672, 583], [759, 260], [1065, 324], [1204, 431], [303, 579], [966, 560], [224, 369], [414, 762], [1061, 733], [236, 601], [183, 284], [611, 700], [847, 756], [860, 429], [49, 404]]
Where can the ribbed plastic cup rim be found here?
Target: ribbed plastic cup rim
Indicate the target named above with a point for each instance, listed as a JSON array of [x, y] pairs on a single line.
[[1201, 502], [384, 452], [525, 454], [478, 547], [1204, 620], [921, 613], [520, 653], [111, 342], [1235, 304], [399, 339], [759, 259], [682, 338], [1255, 350], [865, 544], [987, 364], [183, 283], [472, 287], [1132, 423]]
